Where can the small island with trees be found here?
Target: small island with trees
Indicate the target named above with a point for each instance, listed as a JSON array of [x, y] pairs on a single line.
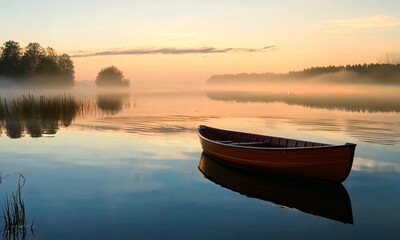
[[111, 77]]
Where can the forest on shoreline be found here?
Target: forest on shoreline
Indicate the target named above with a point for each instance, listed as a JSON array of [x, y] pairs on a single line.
[[375, 73], [34, 65]]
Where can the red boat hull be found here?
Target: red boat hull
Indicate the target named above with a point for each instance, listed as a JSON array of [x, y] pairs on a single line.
[[321, 161]]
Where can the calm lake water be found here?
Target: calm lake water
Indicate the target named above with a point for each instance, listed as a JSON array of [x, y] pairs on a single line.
[[126, 166]]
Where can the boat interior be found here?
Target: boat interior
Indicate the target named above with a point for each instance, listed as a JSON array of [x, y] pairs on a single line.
[[253, 140]]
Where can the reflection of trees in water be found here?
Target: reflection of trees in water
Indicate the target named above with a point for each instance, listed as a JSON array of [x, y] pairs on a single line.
[[111, 103], [370, 102], [44, 115], [14, 128], [371, 131], [38, 115]]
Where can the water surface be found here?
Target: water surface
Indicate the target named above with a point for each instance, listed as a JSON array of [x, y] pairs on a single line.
[[125, 166]]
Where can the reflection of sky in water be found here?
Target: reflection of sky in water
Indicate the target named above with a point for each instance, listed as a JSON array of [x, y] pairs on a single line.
[[374, 166], [134, 174]]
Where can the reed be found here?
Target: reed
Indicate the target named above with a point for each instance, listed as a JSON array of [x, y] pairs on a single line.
[[2, 111], [37, 115], [28, 106], [2, 177], [14, 214]]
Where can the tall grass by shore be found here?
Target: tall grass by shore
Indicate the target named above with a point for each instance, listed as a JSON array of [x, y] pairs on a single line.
[[39, 115], [58, 107], [14, 214]]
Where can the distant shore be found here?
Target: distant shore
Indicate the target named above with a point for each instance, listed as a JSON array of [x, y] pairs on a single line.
[[379, 74]]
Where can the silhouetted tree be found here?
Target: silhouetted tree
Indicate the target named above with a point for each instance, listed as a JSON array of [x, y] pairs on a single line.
[[67, 69], [111, 76], [11, 54], [33, 57], [36, 64], [48, 65]]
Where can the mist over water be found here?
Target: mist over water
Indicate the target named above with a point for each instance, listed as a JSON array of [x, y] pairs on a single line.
[[367, 100], [132, 154], [366, 113]]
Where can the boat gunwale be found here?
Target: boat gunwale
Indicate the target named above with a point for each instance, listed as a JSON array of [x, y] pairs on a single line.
[[268, 148]]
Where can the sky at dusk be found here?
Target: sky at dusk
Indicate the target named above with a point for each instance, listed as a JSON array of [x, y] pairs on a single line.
[[187, 41]]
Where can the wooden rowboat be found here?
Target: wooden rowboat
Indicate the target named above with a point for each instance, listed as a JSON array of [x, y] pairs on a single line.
[[278, 155], [324, 199]]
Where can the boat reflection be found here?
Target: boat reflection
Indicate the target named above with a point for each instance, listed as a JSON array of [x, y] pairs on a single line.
[[321, 199]]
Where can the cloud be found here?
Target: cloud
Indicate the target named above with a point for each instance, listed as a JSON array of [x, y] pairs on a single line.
[[369, 165], [372, 22], [144, 51]]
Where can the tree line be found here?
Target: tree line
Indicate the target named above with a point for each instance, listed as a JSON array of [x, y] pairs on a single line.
[[383, 71], [374, 73], [35, 64]]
